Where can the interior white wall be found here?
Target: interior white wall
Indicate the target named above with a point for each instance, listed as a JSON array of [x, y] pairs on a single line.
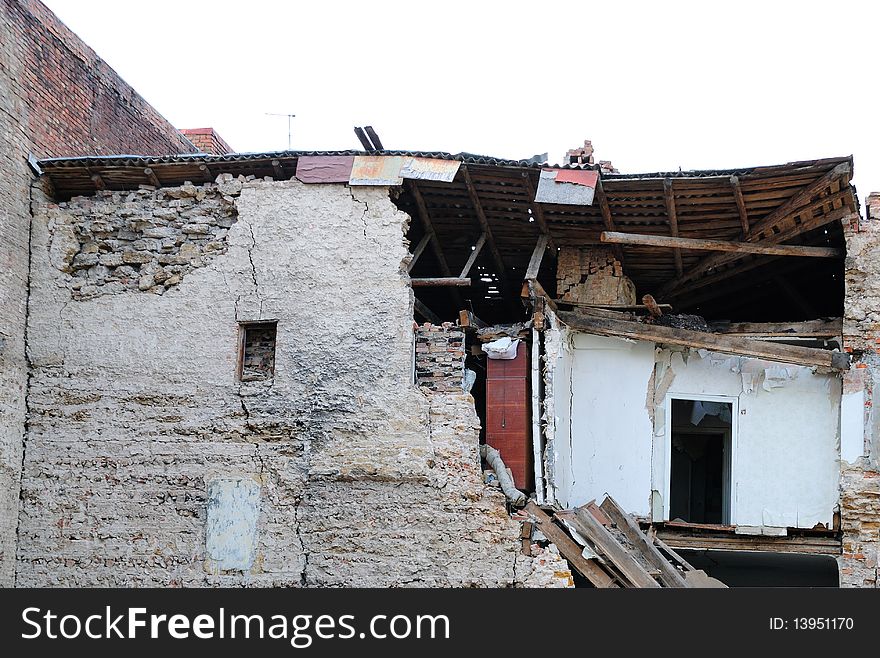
[[786, 467], [603, 435], [611, 436]]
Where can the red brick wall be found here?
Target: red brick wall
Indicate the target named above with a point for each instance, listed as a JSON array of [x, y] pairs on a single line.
[[207, 140], [73, 103]]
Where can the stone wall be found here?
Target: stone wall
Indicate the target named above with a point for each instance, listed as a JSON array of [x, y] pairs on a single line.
[[860, 479], [347, 473], [440, 357], [592, 275], [56, 98]]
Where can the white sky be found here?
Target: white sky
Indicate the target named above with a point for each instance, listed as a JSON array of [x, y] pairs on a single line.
[[655, 85]]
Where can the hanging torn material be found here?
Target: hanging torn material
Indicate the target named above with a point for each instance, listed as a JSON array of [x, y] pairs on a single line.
[[570, 187], [430, 169], [376, 170], [503, 348], [392, 169], [324, 168]]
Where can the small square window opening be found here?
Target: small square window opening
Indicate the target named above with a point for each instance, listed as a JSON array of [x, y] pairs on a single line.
[[256, 358]]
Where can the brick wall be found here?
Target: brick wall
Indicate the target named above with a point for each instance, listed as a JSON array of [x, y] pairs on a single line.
[[207, 140], [440, 357], [592, 275], [56, 98], [73, 102]]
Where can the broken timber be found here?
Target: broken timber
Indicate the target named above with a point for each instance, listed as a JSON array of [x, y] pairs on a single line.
[[718, 245], [725, 343]]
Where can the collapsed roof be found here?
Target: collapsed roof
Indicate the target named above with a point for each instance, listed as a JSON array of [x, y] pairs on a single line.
[[490, 207]]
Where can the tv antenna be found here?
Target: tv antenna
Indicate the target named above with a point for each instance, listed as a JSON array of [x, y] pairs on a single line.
[[290, 118]]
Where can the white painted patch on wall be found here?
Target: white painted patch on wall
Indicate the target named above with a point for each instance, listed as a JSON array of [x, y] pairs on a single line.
[[852, 426], [231, 537]]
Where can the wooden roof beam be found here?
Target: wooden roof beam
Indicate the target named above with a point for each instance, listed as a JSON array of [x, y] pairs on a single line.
[[607, 218], [425, 282], [718, 245], [726, 344], [434, 241], [765, 230], [417, 252], [425, 312], [279, 170], [498, 261], [475, 252], [537, 210], [151, 176], [740, 205], [669, 197]]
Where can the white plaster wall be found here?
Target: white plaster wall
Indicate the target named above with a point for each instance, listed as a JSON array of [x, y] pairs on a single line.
[[603, 441], [786, 452]]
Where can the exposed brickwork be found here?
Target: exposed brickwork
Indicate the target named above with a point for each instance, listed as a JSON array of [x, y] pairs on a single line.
[[860, 481], [592, 275], [145, 240], [860, 522], [258, 345], [207, 140], [440, 357], [74, 103]]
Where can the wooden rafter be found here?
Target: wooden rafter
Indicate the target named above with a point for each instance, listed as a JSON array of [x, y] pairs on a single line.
[[475, 252], [434, 241], [719, 245], [607, 218], [498, 261], [778, 226], [151, 176], [537, 210], [741, 206], [279, 170], [427, 282], [537, 257], [417, 252], [425, 312], [753, 261], [669, 197], [726, 344]]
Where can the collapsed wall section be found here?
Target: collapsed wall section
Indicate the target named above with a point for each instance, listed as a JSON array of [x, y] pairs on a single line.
[[337, 470]]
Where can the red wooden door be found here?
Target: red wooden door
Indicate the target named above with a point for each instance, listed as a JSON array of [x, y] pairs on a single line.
[[508, 423]]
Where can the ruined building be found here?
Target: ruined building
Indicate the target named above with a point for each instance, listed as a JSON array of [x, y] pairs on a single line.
[[278, 369]]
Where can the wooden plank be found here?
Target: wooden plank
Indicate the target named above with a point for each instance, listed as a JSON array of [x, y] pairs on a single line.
[[607, 218], [731, 542], [535, 391], [569, 549], [425, 216], [466, 270], [740, 205], [439, 281], [537, 209], [363, 139], [374, 138], [669, 197], [417, 252], [725, 344], [425, 312], [594, 531], [468, 319], [718, 245], [537, 257], [808, 329], [532, 288], [762, 231], [670, 576], [652, 537]]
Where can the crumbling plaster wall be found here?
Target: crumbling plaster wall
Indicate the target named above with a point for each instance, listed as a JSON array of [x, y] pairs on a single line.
[[136, 415], [860, 463]]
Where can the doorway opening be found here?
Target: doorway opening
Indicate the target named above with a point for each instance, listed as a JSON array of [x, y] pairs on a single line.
[[700, 464]]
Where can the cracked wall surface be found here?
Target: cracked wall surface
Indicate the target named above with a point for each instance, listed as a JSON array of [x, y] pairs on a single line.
[[136, 413], [57, 97]]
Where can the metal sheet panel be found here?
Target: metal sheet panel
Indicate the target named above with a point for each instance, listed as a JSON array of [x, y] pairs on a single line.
[[324, 168], [551, 190], [430, 169], [376, 170]]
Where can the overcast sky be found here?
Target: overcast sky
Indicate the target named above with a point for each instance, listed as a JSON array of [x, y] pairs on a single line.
[[656, 85]]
